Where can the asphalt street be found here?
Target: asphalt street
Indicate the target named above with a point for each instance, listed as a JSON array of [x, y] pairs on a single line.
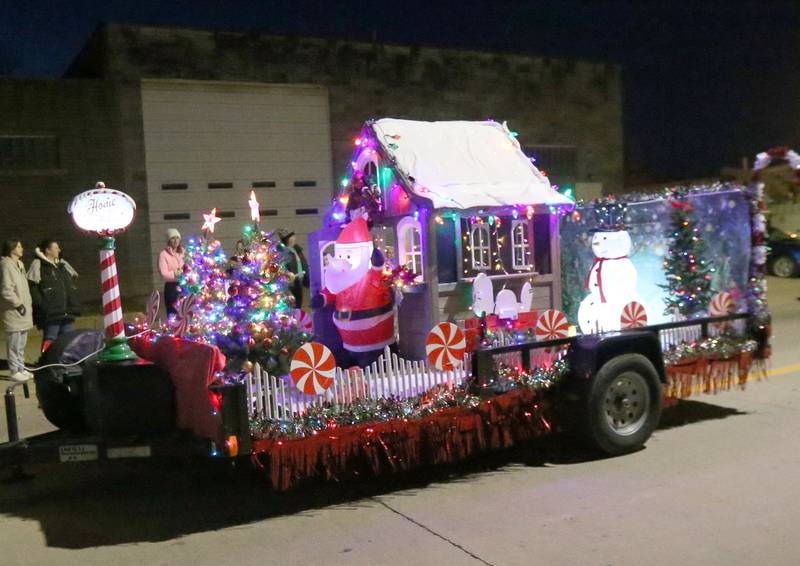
[[717, 484]]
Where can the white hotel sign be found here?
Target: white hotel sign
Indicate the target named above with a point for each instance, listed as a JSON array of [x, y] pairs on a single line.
[[102, 211]]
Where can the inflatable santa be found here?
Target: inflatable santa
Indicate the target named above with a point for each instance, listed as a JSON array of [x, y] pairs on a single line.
[[363, 298]]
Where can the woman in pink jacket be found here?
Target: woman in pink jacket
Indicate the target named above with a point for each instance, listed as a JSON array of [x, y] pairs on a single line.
[[170, 265]]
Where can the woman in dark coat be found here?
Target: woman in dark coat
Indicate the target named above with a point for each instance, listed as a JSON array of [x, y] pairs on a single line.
[[296, 265], [55, 297]]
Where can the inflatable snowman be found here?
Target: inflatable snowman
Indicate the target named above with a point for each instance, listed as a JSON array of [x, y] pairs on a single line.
[[611, 283]]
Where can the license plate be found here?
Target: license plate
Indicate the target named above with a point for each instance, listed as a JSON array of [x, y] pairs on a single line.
[[77, 452], [128, 452]]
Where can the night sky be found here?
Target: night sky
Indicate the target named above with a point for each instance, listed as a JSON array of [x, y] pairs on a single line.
[[705, 82]]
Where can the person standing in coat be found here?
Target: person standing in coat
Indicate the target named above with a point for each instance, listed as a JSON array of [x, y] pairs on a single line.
[[17, 307], [170, 266], [296, 266], [55, 298]]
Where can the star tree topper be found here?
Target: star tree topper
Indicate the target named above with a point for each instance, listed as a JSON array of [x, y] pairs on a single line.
[[255, 214], [210, 221]]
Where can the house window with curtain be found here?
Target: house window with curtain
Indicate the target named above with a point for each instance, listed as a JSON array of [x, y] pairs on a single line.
[[520, 247], [409, 242], [480, 249]]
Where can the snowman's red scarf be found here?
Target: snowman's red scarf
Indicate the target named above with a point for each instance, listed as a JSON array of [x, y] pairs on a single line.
[[600, 260]]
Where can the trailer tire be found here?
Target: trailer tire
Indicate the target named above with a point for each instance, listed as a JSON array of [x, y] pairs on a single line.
[[623, 405]]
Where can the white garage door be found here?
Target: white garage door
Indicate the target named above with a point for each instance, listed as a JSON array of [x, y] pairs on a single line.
[[208, 144]]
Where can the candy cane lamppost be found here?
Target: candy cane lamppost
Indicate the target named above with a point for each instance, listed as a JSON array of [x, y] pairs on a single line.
[[106, 212]]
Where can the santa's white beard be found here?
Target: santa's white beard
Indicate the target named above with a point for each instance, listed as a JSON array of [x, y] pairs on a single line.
[[340, 274]]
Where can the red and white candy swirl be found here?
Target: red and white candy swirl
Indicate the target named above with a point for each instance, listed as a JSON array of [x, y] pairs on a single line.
[[183, 318], [633, 316], [722, 304], [552, 324], [151, 309], [446, 346], [313, 368], [304, 320]]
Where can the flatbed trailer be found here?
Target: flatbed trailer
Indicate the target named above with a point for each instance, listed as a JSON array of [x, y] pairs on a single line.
[[422, 183], [612, 393]]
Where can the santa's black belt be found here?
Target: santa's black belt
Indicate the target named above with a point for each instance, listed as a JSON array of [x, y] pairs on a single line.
[[360, 315]]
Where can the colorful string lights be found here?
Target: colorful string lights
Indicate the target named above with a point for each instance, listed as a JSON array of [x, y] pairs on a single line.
[[242, 303]]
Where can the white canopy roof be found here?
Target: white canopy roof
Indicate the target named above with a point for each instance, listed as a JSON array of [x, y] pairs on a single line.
[[465, 164]]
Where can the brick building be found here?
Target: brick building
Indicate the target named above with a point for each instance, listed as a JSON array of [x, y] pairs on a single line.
[[186, 119]]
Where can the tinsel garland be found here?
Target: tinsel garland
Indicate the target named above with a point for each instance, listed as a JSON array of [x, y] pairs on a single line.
[[668, 193], [721, 347], [387, 436], [318, 418], [327, 416], [710, 365], [756, 293], [374, 449]]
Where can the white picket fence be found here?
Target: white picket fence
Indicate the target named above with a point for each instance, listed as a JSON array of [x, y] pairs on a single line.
[[277, 398], [672, 337]]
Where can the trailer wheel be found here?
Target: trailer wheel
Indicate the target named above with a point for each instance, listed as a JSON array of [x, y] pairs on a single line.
[[623, 405]]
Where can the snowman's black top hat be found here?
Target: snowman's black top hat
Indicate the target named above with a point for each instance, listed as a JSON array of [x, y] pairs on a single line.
[[608, 228], [609, 216]]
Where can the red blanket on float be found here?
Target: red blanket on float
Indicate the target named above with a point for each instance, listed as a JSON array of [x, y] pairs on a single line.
[[192, 367]]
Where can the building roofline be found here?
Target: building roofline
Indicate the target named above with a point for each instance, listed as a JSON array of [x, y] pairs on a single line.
[[101, 31], [97, 40]]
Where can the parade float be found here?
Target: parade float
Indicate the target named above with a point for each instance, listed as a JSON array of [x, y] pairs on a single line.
[[460, 304]]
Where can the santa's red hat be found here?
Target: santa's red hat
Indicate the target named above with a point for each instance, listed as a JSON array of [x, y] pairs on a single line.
[[357, 232]]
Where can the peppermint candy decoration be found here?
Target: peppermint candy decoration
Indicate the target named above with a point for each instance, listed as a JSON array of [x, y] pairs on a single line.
[[551, 325], [304, 320], [313, 368], [445, 346], [184, 316], [633, 316], [722, 304], [151, 309]]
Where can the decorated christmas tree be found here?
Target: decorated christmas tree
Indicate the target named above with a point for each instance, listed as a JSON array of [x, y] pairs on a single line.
[[242, 304], [688, 274]]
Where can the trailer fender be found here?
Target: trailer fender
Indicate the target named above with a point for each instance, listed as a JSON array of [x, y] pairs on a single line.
[[588, 353]]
